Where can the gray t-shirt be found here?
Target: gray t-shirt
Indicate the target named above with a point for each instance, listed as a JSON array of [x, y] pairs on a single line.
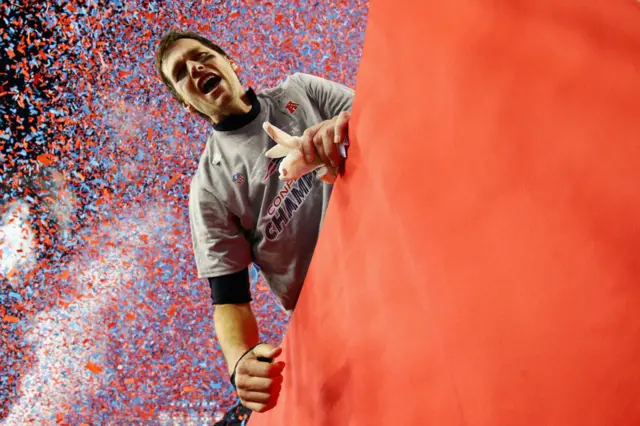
[[241, 212]]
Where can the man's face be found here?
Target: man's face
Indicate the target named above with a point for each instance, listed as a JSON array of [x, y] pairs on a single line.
[[205, 79]]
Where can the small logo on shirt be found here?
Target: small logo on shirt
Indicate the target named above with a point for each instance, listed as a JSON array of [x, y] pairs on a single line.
[[238, 178], [272, 167], [291, 107]]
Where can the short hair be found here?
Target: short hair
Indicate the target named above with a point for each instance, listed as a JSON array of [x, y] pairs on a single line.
[[168, 41]]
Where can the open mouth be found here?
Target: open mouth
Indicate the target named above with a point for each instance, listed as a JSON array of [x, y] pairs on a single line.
[[209, 83]]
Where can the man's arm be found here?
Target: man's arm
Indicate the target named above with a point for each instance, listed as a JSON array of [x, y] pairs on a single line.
[[330, 97], [237, 331], [257, 382], [235, 323], [222, 254]]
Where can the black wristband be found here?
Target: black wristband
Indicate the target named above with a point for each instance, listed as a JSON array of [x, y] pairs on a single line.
[[231, 289], [233, 375]]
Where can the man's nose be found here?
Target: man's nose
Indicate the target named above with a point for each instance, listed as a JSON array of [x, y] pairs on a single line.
[[195, 68]]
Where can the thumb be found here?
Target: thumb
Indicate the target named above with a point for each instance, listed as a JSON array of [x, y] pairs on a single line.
[[326, 175], [265, 350]]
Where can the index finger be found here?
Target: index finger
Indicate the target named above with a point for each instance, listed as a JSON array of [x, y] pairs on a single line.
[[280, 136], [342, 126], [255, 368]]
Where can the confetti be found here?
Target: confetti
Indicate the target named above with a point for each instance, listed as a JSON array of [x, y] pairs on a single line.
[[173, 180], [93, 368], [46, 159], [103, 317], [9, 318]]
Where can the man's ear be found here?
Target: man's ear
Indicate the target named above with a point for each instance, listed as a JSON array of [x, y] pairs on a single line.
[[235, 67]]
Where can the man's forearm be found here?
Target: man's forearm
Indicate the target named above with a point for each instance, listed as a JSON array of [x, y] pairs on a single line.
[[237, 331]]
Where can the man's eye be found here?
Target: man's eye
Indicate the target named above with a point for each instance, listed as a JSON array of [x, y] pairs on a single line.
[[204, 56]]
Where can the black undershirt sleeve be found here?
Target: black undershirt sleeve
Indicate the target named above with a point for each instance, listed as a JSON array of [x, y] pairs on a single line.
[[231, 289]]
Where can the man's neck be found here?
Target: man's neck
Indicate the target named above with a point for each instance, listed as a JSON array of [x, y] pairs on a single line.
[[245, 113], [240, 107]]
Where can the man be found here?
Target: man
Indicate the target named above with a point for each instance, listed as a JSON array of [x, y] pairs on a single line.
[[240, 211]]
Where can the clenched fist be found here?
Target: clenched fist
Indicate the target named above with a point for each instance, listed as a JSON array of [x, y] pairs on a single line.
[[257, 382]]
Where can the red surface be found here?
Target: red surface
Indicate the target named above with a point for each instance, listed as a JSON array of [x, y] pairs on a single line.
[[480, 262]]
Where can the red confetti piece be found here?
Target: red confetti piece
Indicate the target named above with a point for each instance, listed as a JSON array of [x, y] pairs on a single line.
[[46, 159], [93, 368], [9, 318], [147, 414], [174, 179], [172, 310]]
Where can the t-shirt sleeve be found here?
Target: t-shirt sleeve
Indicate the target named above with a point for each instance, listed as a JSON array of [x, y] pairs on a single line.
[[219, 242], [331, 98]]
